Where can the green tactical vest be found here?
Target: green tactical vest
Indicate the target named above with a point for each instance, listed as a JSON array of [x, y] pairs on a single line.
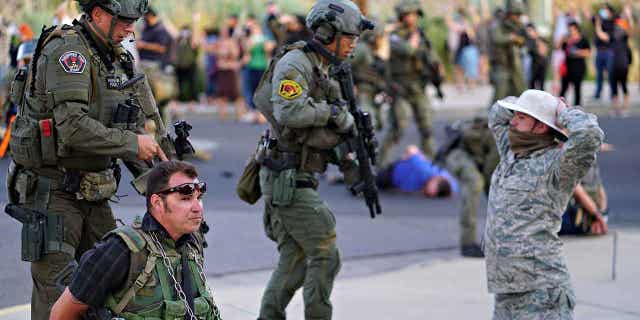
[[149, 292], [92, 84]]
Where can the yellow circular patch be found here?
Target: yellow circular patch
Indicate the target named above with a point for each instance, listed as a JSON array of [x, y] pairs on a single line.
[[289, 89]]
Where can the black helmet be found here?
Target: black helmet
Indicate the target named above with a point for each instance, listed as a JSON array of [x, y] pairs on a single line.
[[125, 9]]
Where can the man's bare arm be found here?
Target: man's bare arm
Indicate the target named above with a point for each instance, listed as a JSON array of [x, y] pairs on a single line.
[[68, 307]]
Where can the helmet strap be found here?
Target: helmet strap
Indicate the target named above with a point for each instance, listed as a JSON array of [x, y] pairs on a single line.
[[338, 39]]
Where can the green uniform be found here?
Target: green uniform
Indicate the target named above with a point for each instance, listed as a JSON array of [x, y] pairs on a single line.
[[472, 161], [407, 69], [71, 127], [155, 266], [296, 218], [368, 80], [506, 74]]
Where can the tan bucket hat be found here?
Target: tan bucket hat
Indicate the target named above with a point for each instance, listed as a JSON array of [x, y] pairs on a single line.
[[539, 104]]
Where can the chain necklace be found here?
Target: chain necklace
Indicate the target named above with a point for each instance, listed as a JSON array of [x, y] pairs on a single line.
[[167, 263]]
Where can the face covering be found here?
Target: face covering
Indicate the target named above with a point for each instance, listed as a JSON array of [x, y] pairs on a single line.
[[604, 14], [523, 143]]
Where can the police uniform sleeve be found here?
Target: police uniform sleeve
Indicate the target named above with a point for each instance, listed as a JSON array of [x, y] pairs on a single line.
[[499, 118], [103, 271], [292, 104], [68, 83], [579, 152]]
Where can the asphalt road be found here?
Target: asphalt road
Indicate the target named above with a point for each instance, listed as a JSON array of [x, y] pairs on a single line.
[[409, 223]]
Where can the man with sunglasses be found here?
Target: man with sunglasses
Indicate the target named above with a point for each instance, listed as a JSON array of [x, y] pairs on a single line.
[[78, 115], [154, 268]]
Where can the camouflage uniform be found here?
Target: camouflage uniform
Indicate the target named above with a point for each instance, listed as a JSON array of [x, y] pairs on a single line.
[[525, 267], [309, 125], [506, 73], [407, 69], [73, 94]]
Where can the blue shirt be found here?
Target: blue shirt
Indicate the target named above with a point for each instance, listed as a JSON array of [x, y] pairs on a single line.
[[411, 174]]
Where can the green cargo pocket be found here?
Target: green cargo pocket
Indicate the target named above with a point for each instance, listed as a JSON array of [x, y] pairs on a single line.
[[25, 142], [174, 310], [202, 308]]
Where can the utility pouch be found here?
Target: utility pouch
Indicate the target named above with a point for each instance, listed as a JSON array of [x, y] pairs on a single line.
[[17, 86], [120, 118], [97, 186], [71, 181], [48, 142], [25, 142], [201, 308], [248, 188], [33, 239], [24, 185], [12, 174], [174, 310], [284, 187]]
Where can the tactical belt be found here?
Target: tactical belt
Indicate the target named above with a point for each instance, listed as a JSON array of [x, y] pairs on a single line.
[[41, 199], [279, 161], [306, 184]]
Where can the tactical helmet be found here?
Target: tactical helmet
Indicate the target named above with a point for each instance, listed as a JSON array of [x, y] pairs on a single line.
[[125, 9], [328, 17], [373, 34], [514, 7], [407, 6]]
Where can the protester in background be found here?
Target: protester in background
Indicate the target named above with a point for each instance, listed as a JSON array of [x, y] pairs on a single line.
[[622, 60], [538, 51], [211, 65], [576, 49], [415, 173], [604, 24], [466, 56], [560, 32], [256, 59], [272, 27], [296, 30], [186, 65], [227, 81]]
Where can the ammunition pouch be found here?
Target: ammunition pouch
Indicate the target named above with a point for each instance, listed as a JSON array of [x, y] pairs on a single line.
[[284, 186], [98, 186], [248, 187], [125, 116]]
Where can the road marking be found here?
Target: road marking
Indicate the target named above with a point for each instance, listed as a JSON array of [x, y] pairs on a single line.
[[14, 309]]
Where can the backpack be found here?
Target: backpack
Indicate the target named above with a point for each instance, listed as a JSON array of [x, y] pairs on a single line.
[[262, 95]]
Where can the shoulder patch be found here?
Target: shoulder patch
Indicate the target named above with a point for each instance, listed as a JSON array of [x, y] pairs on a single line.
[[73, 62], [289, 89]]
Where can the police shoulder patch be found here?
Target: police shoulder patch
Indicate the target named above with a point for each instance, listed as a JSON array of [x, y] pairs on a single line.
[[73, 62], [289, 89]]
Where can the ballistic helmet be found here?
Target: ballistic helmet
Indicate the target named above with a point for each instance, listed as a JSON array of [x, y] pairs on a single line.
[[329, 17], [515, 7], [407, 6], [124, 9]]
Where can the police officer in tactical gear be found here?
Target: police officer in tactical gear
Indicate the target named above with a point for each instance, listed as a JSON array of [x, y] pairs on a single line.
[[409, 64], [152, 269], [78, 113], [507, 38], [309, 122]]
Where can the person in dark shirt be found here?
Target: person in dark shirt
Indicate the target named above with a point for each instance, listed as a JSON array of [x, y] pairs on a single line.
[[155, 41], [169, 228], [622, 60], [415, 173], [603, 23], [576, 49], [538, 49]]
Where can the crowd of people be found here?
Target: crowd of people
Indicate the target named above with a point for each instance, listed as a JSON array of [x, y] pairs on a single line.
[[530, 145]]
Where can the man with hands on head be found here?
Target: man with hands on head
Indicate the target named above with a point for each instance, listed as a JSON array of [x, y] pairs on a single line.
[[530, 189]]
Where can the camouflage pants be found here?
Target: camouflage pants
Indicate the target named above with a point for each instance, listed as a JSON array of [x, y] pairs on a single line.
[[309, 258], [416, 99], [85, 223], [542, 304], [462, 166], [506, 83]]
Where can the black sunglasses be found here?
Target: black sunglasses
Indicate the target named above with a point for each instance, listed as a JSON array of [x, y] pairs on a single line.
[[186, 189]]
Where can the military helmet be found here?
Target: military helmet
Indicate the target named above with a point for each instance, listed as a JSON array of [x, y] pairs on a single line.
[[327, 17], [407, 6], [125, 9], [514, 7]]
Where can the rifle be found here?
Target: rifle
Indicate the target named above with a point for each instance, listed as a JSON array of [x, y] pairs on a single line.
[[364, 142]]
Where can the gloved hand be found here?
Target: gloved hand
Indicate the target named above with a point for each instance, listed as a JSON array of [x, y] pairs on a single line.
[[341, 118]]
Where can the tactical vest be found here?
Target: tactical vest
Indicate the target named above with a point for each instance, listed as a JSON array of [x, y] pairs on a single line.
[[34, 142], [149, 292], [409, 68]]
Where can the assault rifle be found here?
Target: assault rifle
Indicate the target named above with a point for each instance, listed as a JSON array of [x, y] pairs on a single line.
[[364, 143]]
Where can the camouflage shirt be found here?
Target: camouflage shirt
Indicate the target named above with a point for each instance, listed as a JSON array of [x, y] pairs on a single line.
[[527, 198]]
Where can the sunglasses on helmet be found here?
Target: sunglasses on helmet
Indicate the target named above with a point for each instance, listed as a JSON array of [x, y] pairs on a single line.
[[186, 189]]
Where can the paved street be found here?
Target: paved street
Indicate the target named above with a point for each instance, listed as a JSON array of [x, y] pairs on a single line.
[[410, 230]]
